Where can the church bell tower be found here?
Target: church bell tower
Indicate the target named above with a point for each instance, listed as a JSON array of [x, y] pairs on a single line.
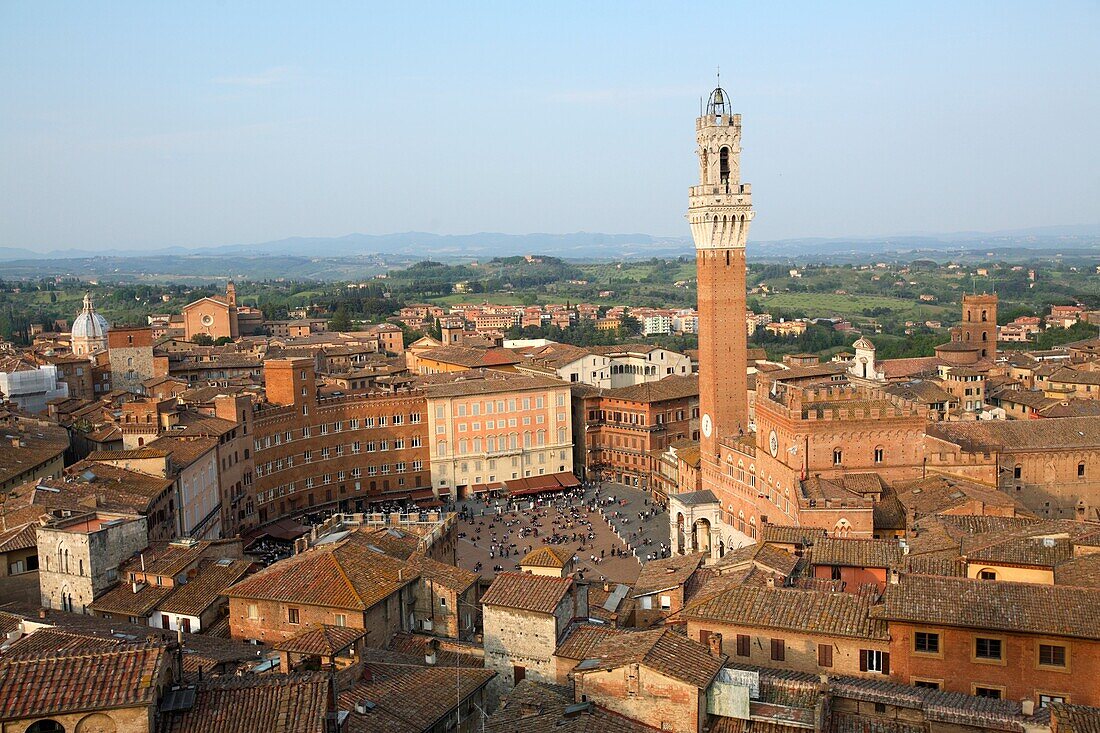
[[719, 210]]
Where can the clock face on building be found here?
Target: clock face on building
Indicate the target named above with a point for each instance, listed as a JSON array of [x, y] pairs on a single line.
[[708, 426], [773, 444]]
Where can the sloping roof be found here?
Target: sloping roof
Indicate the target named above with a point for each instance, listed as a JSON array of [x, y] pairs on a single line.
[[283, 703], [673, 387], [451, 577], [1083, 571], [470, 357], [897, 368], [662, 650], [1075, 718], [993, 605], [582, 640], [46, 642], [347, 574], [788, 534], [40, 442], [209, 584], [393, 541], [856, 552], [171, 558], [484, 381], [538, 593], [809, 611], [1065, 433], [80, 681], [124, 601], [546, 556], [410, 698], [695, 498], [532, 707], [19, 538], [669, 572], [322, 640]]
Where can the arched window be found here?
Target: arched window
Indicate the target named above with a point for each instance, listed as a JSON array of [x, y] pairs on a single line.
[[985, 316], [46, 726], [724, 165], [838, 456], [880, 453]]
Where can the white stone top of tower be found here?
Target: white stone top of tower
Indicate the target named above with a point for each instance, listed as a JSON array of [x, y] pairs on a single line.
[[720, 205]]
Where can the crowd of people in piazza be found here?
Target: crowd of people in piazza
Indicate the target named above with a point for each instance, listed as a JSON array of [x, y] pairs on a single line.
[[607, 539]]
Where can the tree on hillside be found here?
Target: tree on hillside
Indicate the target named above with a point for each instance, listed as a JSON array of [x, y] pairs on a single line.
[[340, 320]]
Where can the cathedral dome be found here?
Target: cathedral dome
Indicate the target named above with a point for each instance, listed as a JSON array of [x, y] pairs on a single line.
[[90, 325]]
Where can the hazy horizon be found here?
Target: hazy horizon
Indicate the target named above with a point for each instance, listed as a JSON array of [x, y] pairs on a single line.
[[130, 126]]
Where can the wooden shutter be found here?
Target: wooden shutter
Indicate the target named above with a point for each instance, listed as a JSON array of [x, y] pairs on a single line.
[[862, 660], [778, 650], [825, 655], [743, 645], [704, 636], [886, 662]]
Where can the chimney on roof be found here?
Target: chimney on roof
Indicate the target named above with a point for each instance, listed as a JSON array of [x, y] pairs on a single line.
[[771, 581], [714, 641], [1027, 706], [894, 576]]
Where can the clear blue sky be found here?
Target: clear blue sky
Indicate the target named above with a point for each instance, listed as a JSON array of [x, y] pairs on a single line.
[[153, 124]]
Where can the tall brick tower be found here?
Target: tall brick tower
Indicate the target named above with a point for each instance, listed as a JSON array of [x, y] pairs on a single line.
[[979, 324], [720, 209]]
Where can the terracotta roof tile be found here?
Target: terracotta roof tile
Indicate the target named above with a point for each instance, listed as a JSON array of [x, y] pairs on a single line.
[[674, 387], [208, 585], [322, 640], [80, 681], [855, 552], [1075, 718], [449, 576], [546, 556], [284, 703], [124, 601], [993, 605], [790, 534], [662, 650], [669, 572], [410, 698], [808, 611], [532, 707], [1065, 433], [538, 593], [583, 639], [348, 574], [45, 642]]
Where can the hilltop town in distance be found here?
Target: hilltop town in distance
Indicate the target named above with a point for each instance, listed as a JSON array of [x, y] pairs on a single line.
[[529, 492]]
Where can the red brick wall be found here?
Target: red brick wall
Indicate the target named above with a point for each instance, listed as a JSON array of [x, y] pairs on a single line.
[[1019, 674]]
